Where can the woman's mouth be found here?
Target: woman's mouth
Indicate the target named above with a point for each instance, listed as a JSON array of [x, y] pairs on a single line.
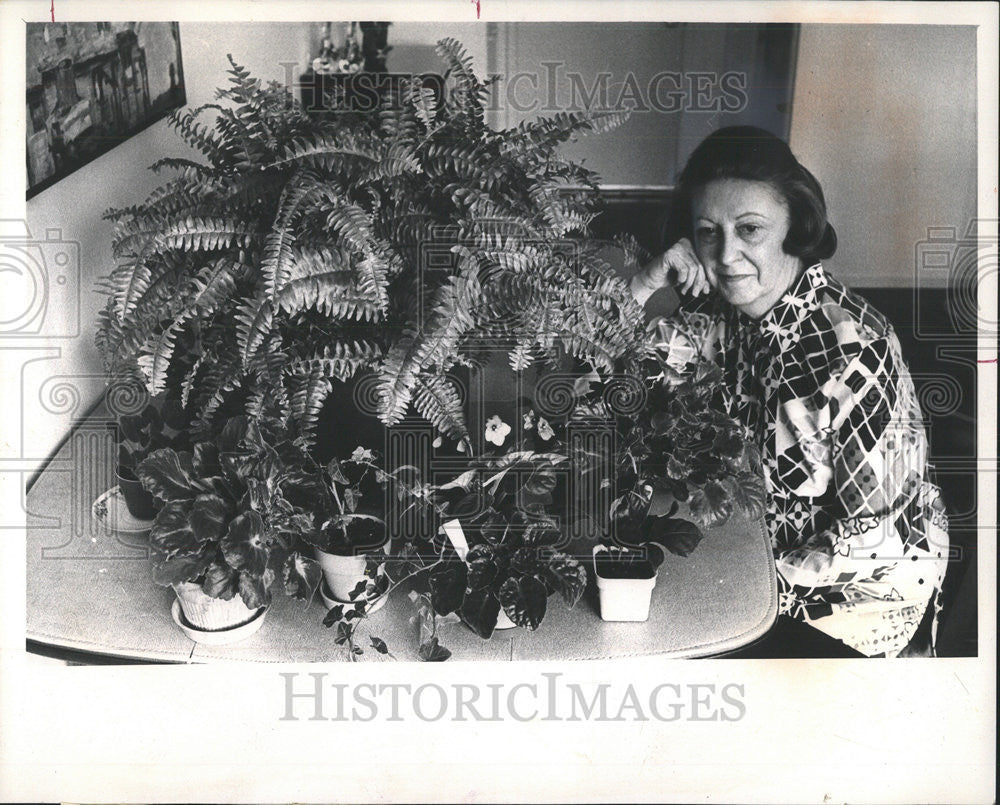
[[733, 279]]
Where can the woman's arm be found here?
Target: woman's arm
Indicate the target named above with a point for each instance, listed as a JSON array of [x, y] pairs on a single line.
[[877, 454]]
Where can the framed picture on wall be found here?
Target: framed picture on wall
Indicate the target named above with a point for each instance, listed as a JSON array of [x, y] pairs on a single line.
[[92, 85]]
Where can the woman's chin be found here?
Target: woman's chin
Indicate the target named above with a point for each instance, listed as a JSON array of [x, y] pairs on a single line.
[[743, 292]]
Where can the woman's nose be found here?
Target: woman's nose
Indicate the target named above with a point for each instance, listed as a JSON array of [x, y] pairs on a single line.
[[728, 249]]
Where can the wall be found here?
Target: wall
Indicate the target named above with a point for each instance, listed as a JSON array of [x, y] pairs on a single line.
[[680, 81], [885, 116], [66, 377]]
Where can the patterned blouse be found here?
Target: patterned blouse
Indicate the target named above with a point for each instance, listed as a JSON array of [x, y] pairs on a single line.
[[858, 529]]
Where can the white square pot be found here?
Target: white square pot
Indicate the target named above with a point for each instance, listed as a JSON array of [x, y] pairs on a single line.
[[623, 599]]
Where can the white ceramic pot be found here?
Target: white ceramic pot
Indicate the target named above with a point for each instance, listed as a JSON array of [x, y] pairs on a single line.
[[343, 573], [623, 599], [204, 615]]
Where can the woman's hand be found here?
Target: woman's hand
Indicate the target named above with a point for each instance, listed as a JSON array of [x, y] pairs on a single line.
[[678, 266]]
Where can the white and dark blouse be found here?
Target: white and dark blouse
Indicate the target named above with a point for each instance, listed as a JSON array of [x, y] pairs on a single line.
[[858, 530]]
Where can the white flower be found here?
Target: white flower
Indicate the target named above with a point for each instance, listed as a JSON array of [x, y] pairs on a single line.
[[496, 430], [529, 420], [545, 429]]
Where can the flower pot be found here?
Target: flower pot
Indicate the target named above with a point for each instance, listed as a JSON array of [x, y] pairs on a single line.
[[139, 502], [626, 596], [343, 573], [203, 616]]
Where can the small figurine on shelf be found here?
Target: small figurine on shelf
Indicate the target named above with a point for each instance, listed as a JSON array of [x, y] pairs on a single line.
[[346, 58], [324, 63]]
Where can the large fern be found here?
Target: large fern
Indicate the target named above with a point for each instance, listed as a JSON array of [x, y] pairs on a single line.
[[295, 250]]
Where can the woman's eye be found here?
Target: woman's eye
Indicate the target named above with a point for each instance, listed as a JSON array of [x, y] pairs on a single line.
[[749, 230], [705, 233]]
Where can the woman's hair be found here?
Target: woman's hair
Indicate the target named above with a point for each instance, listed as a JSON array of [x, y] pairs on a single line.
[[746, 152]]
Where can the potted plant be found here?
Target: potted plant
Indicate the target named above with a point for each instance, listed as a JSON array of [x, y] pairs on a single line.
[[305, 251], [678, 453], [501, 554], [161, 423], [625, 580], [219, 539], [338, 510]]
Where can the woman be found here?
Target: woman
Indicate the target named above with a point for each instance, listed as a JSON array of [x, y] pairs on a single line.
[[815, 376]]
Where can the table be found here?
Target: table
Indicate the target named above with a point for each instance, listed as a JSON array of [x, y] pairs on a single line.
[[90, 591]]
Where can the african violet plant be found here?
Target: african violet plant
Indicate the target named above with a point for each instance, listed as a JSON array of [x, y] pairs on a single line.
[[306, 249], [510, 555], [682, 449]]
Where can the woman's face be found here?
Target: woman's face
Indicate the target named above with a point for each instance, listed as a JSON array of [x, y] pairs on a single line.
[[739, 229]]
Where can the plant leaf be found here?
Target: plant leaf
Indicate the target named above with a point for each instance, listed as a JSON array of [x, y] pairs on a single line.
[[480, 610], [254, 587], [482, 571], [433, 651], [524, 601], [711, 504], [220, 581], [301, 576], [168, 475], [243, 546], [675, 534], [749, 493], [568, 577], [171, 533], [208, 516], [172, 570], [448, 587]]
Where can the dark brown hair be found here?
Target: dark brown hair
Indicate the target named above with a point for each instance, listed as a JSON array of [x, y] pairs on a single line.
[[747, 152]]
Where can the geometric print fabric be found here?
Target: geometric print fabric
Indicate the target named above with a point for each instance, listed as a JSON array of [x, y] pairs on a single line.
[[819, 384]]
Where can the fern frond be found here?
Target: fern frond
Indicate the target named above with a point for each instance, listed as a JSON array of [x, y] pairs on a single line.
[[200, 137], [309, 391], [423, 100], [154, 360], [437, 401], [188, 381], [339, 362], [353, 225], [278, 245], [328, 152], [188, 166], [211, 287], [206, 234], [219, 379], [332, 293], [452, 316], [254, 321]]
